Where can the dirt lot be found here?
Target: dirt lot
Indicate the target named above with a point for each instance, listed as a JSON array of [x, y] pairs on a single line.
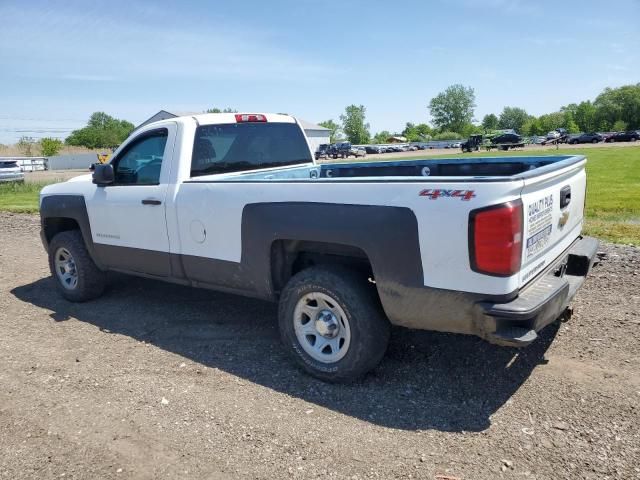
[[160, 381]]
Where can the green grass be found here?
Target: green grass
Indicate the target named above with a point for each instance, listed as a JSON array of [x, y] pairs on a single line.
[[613, 194], [20, 197]]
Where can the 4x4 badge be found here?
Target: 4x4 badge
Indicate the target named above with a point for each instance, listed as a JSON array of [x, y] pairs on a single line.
[[434, 194]]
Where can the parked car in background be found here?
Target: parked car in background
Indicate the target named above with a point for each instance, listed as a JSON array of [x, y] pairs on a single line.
[[323, 151], [342, 150], [606, 135], [553, 134], [630, 136], [507, 138], [507, 141], [585, 138], [10, 171], [456, 145], [374, 149], [358, 152]]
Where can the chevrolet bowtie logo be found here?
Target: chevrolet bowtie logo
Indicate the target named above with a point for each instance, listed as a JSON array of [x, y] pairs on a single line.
[[564, 218]]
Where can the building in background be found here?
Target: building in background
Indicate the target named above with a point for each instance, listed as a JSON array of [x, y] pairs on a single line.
[[316, 134]]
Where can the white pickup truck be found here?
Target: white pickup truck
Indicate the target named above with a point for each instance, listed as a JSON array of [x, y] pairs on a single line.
[[235, 202]]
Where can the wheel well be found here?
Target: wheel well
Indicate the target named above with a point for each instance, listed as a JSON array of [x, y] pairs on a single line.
[[53, 226], [289, 257]]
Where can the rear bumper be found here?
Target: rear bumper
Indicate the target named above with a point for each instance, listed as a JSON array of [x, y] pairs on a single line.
[[545, 299]]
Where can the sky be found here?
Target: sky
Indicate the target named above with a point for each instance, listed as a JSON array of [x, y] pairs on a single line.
[[62, 60]]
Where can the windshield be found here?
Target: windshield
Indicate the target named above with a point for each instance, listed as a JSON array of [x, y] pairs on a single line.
[[247, 146]]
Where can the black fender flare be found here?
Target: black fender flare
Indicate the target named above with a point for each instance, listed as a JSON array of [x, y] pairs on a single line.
[[71, 207]]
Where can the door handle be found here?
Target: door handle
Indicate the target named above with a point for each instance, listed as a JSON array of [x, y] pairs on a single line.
[[565, 196], [151, 201]]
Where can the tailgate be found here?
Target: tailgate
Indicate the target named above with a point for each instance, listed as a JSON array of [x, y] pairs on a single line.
[[553, 210]]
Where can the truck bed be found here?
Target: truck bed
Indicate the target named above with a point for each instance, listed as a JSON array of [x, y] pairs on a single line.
[[477, 169]]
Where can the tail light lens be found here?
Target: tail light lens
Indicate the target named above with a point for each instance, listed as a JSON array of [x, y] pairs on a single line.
[[495, 239], [251, 117]]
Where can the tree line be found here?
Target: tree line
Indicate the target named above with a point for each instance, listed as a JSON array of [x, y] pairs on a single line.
[[452, 117]]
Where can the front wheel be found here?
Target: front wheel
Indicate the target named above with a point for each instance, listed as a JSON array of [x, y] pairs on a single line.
[[332, 323], [594, 141], [77, 277]]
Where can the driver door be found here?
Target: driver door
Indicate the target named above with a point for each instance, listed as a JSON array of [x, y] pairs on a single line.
[[128, 222]]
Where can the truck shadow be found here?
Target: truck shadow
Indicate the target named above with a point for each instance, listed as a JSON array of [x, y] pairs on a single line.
[[426, 381]]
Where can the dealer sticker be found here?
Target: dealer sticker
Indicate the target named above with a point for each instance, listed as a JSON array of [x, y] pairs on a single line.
[[539, 225]]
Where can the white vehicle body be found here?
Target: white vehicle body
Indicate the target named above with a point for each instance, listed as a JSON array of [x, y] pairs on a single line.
[[409, 221], [553, 134], [10, 171]]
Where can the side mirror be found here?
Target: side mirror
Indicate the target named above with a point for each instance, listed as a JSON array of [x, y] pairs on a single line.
[[103, 174]]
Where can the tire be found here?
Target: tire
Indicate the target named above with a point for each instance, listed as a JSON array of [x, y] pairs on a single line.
[[80, 279], [595, 140], [360, 329]]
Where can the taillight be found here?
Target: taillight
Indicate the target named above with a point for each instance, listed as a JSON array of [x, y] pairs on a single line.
[[495, 239], [250, 117]]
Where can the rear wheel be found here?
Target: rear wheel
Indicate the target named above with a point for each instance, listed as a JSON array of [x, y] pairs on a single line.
[[77, 277], [332, 323]]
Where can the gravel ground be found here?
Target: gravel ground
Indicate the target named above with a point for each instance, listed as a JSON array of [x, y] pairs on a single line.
[[159, 381]]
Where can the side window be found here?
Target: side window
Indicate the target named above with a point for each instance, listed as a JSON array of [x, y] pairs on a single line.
[[141, 161]]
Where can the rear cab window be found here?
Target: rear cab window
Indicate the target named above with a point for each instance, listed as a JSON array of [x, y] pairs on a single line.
[[238, 147]]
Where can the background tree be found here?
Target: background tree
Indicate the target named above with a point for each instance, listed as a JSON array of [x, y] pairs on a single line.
[[471, 129], [569, 123], [25, 145], [417, 133], [353, 124], [381, 137], [551, 121], [102, 131], [447, 136], [490, 122], [50, 146], [532, 127], [621, 103], [334, 129], [224, 110], [619, 126], [513, 117], [453, 108], [585, 115]]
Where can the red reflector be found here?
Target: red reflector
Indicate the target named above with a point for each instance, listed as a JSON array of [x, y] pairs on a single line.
[[495, 239], [250, 117]]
